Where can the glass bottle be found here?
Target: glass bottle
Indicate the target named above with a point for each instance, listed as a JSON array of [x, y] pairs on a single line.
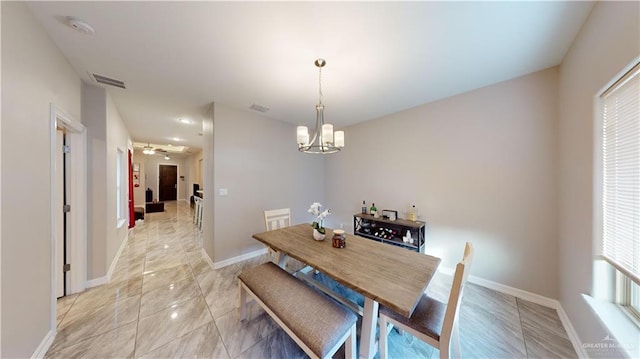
[[413, 214], [373, 209], [364, 208]]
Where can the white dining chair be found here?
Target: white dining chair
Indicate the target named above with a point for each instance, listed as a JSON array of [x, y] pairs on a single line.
[[432, 321], [276, 219]]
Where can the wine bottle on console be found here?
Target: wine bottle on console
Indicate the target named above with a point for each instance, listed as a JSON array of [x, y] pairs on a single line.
[[373, 209], [364, 208]]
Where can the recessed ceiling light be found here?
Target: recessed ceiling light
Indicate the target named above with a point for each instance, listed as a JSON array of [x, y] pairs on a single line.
[[176, 139], [185, 120], [168, 144]]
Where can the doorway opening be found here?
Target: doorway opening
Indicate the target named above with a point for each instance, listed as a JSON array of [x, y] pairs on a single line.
[[61, 225], [167, 182], [68, 207]]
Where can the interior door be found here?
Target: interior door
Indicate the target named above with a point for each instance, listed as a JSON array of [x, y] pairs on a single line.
[[60, 215], [168, 183], [132, 219]]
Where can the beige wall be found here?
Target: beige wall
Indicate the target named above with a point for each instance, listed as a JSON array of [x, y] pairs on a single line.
[[138, 192], [106, 134], [117, 138], [94, 116], [262, 170], [193, 172], [34, 75], [479, 166], [608, 41], [208, 153]]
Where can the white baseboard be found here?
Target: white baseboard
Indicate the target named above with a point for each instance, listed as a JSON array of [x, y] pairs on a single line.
[[114, 262], [240, 258], [518, 293], [104, 280], [207, 259], [571, 332], [531, 297], [499, 287], [45, 344], [97, 281]]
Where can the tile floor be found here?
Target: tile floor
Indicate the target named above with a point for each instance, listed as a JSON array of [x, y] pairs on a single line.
[[165, 301]]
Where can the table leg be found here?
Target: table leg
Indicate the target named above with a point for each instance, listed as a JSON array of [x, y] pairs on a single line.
[[368, 333], [281, 259]]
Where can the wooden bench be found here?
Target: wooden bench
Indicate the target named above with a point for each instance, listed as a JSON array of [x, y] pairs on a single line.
[[316, 323]]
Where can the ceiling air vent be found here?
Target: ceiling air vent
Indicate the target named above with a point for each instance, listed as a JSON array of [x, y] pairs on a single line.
[[258, 108], [108, 81]]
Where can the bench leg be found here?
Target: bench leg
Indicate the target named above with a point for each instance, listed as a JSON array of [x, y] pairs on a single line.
[[350, 344], [384, 353], [242, 297]]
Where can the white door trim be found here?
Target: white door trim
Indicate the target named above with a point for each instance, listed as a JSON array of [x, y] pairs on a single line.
[[77, 198]]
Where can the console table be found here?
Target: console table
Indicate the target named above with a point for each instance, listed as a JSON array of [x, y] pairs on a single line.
[[390, 232]]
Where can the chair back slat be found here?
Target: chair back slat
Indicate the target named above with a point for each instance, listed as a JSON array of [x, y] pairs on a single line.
[[459, 280], [277, 218]]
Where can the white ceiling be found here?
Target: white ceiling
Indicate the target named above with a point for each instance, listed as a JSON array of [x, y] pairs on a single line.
[[382, 57]]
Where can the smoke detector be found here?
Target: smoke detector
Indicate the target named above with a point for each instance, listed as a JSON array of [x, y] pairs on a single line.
[[80, 25]]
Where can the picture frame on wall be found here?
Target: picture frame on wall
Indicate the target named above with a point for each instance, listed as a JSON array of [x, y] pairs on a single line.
[[136, 175]]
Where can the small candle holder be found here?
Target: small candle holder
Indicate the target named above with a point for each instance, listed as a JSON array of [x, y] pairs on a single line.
[[338, 239]]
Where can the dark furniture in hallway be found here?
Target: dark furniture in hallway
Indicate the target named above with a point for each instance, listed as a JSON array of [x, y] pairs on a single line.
[[138, 213], [155, 207]]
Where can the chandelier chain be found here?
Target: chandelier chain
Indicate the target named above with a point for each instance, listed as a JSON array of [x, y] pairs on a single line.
[[320, 84]]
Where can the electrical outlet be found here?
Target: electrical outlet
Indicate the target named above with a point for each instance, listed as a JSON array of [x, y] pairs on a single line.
[[223, 192]]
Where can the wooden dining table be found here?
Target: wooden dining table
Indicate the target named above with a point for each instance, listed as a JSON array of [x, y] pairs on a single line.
[[382, 273]]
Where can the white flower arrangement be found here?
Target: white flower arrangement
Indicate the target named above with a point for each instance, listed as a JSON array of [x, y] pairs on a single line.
[[318, 223]]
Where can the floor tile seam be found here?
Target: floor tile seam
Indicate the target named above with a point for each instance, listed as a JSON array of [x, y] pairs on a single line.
[[524, 340], [136, 355], [204, 297], [135, 342], [92, 309], [259, 342], [182, 301], [544, 330], [195, 277], [92, 336], [551, 328], [66, 311]]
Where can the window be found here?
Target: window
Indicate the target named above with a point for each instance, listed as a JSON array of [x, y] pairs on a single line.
[[620, 184], [119, 192]]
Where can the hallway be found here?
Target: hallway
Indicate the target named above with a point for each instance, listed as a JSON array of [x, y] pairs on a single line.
[[164, 301], [161, 302]]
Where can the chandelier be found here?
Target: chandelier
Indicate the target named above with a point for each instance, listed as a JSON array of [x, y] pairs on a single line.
[[324, 140]]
